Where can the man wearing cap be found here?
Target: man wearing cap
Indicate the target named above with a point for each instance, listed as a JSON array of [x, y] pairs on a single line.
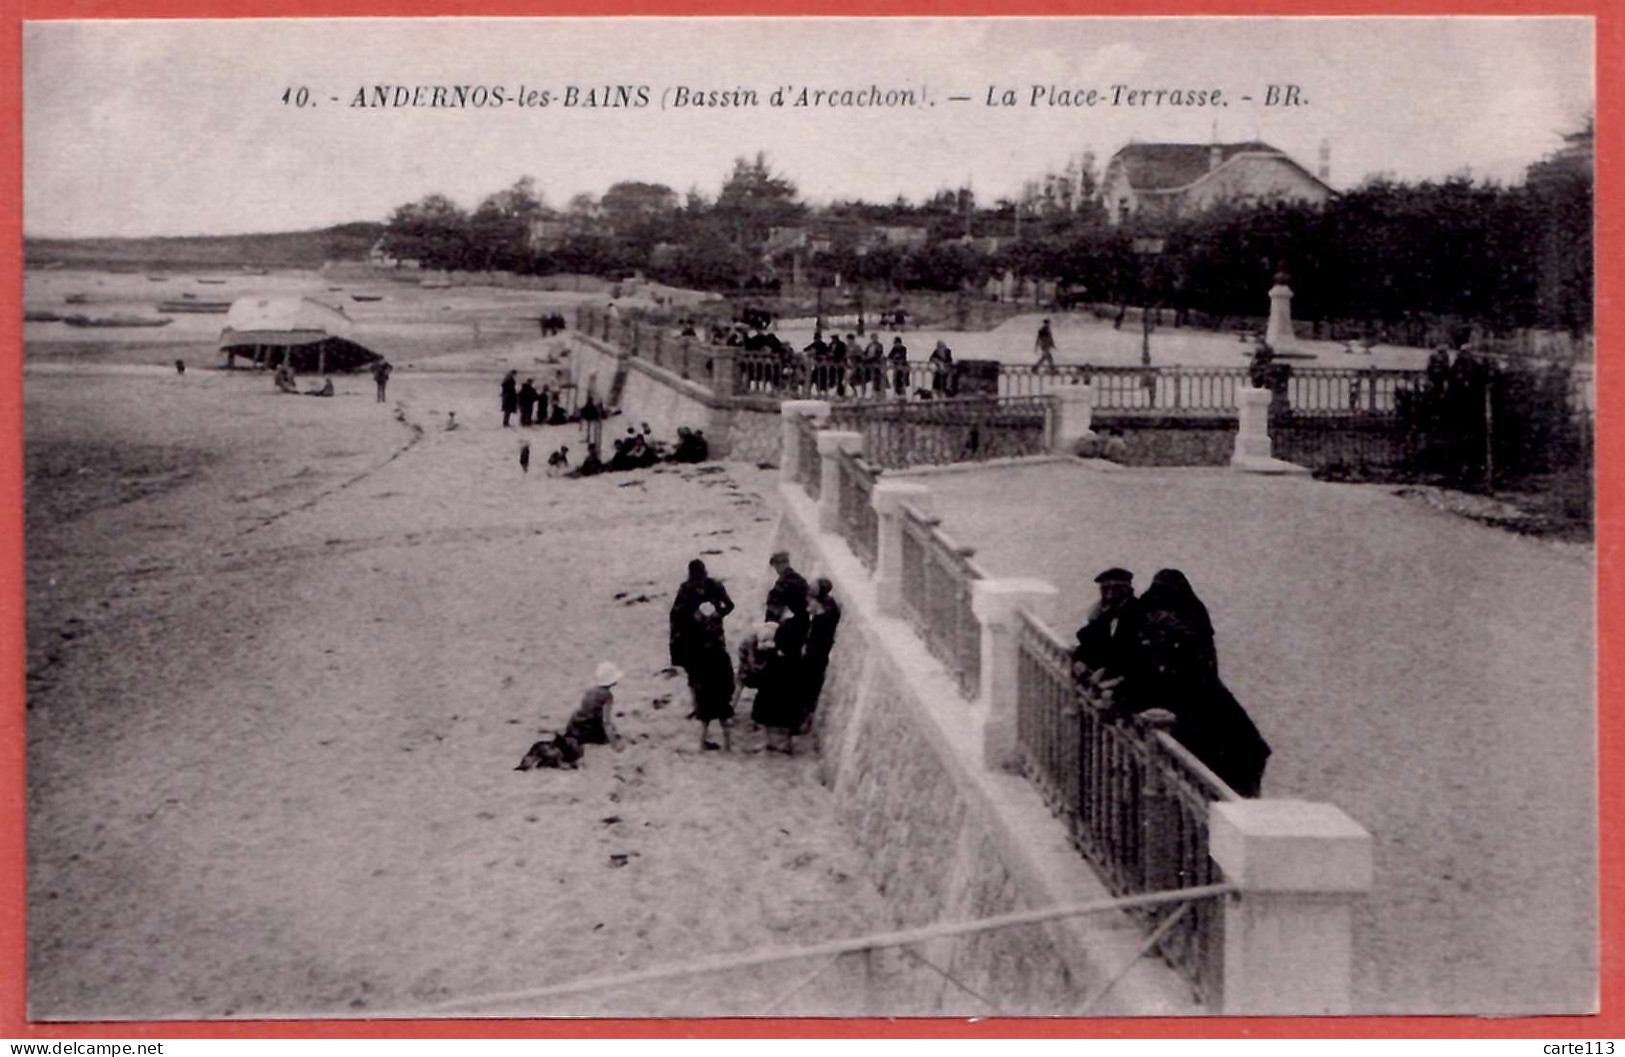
[[592, 723], [1106, 640], [789, 592]]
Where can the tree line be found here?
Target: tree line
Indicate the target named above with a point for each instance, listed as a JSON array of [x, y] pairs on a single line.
[[1503, 256]]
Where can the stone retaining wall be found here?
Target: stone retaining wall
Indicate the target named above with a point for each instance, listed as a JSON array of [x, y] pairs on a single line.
[[947, 839], [1172, 440], [742, 428]]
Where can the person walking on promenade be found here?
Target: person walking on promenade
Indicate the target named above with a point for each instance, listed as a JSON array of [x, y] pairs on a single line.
[[897, 357], [380, 374], [527, 401], [699, 589], [1178, 670], [1045, 344], [510, 396], [710, 675], [789, 592]]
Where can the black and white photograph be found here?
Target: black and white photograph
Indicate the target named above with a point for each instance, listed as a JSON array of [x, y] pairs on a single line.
[[809, 517]]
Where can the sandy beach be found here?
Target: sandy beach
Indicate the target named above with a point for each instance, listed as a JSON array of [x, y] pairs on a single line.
[[283, 657]]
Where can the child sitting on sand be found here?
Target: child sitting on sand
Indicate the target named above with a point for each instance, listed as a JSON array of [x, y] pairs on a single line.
[[593, 723]]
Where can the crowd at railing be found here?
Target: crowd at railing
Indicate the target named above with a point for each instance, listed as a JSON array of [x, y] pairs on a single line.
[[781, 371]]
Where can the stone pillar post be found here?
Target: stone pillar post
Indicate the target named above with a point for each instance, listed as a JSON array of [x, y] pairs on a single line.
[[1253, 449], [1253, 433], [830, 443], [1278, 332], [789, 449], [888, 497], [995, 603], [724, 370], [1077, 408], [1288, 935]]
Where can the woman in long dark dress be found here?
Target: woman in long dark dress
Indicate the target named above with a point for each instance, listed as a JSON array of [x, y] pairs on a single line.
[[779, 689], [698, 588], [826, 617], [510, 395], [1178, 670], [710, 675]]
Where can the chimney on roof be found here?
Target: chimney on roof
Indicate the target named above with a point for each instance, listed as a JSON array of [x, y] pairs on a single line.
[[1324, 170], [1215, 155]]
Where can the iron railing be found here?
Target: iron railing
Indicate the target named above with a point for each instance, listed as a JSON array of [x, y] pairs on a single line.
[[1172, 389], [1134, 801], [937, 575], [898, 433], [860, 524]]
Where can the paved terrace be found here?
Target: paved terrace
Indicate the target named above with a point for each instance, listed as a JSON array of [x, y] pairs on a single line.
[[1429, 675]]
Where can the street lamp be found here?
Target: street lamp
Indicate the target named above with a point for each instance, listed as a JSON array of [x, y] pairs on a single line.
[[1147, 250]]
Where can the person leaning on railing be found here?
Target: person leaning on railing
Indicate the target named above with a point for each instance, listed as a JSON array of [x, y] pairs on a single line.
[[1106, 640], [1168, 661]]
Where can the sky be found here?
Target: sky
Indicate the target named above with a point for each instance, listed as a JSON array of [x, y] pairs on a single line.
[[139, 128]]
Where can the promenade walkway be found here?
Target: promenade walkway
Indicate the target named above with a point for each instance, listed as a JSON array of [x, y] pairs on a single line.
[[1431, 676]]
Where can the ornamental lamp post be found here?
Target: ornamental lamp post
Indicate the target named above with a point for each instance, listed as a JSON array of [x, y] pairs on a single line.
[[1147, 250]]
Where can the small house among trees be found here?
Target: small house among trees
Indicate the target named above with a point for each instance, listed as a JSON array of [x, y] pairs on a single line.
[[1166, 181]]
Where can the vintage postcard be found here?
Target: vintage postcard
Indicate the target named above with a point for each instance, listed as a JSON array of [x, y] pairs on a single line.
[[809, 517]]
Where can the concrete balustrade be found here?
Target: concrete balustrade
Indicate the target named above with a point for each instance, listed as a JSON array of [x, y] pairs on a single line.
[[1253, 452], [996, 604], [791, 411], [888, 499], [831, 442], [1288, 936], [1075, 413]]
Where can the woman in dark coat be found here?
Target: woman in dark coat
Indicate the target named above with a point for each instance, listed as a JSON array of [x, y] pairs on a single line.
[[510, 395], [1178, 670], [780, 691], [711, 675], [826, 616], [691, 593]]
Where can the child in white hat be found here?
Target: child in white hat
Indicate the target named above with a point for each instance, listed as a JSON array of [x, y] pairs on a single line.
[[593, 722]]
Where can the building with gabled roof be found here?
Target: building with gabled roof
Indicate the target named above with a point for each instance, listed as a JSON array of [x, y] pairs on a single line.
[[1165, 181]]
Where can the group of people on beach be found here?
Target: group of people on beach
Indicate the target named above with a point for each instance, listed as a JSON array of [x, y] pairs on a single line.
[[783, 661], [1156, 651], [534, 406]]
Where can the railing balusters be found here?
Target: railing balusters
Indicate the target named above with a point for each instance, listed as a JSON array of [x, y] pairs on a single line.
[[1134, 801]]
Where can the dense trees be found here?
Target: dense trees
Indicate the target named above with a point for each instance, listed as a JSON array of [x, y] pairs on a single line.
[[1383, 253]]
